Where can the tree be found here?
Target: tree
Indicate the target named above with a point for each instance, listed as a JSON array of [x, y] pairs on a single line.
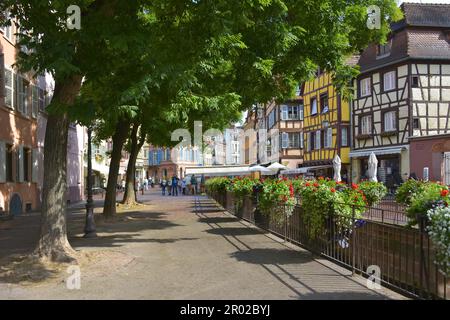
[[69, 55], [200, 55]]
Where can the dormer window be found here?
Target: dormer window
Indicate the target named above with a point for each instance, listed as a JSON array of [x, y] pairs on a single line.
[[384, 50]]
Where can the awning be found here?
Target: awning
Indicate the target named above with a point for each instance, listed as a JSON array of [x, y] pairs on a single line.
[[378, 151], [219, 171], [99, 168], [304, 170]]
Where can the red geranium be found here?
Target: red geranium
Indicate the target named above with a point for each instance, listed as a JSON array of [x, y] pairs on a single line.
[[333, 190], [444, 193], [291, 190], [308, 184], [354, 186], [316, 184]]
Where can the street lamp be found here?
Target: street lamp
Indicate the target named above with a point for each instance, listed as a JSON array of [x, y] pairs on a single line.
[[89, 228]]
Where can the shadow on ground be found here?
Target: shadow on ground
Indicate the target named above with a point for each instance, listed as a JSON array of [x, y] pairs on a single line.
[[217, 220], [120, 240], [244, 231], [341, 295], [273, 256]]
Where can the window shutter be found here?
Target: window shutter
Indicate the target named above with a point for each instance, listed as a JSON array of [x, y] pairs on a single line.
[[2, 76], [34, 165], [308, 142], [302, 142], [284, 112], [15, 92], [34, 101], [318, 139], [284, 140], [2, 162], [330, 137], [21, 160]]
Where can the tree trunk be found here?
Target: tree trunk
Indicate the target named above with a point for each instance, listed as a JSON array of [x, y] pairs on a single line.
[[129, 197], [53, 244], [119, 138]]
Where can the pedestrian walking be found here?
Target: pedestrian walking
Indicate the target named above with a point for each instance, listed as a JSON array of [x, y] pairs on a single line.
[[183, 186], [174, 186], [146, 184], [194, 184], [180, 189], [163, 186]]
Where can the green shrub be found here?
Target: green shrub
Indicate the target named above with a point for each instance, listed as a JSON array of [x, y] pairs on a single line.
[[277, 199], [219, 184], [439, 232], [408, 190], [374, 191], [429, 196]]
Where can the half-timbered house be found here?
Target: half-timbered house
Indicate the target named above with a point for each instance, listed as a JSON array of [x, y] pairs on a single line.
[[280, 127], [326, 128], [403, 92]]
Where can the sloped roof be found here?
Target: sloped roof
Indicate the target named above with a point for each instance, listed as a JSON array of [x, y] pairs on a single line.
[[427, 15], [422, 34]]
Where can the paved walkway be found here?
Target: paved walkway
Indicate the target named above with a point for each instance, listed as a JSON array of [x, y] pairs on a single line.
[[184, 248]]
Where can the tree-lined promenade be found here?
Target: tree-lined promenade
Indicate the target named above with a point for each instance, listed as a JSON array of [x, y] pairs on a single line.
[[185, 248], [137, 70]]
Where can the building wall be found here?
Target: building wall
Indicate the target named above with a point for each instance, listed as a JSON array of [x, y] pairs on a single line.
[[338, 116], [431, 98], [18, 129], [429, 152]]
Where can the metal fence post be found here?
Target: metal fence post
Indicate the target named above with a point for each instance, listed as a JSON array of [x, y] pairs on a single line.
[[353, 240], [285, 224]]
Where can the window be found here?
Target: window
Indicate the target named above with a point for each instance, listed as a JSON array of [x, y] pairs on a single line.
[[298, 90], [415, 82], [34, 101], [366, 125], [390, 121], [22, 95], [416, 123], [9, 163], [389, 81], [384, 49], [9, 88], [317, 140], [41, 100], [313, 106], [301, 112], [324, 103], [328, 138], [364, 87], [7, 30], [302, 143], [26, 165], [271, 120], [344, 137], [290, 140], [96, 150], [291, 112]]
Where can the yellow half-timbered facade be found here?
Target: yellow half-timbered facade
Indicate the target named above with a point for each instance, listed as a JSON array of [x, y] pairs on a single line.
[[326, 127]]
